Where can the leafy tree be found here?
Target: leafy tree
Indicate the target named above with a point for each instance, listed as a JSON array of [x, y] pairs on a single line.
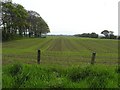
[[14, 17], [106, 33], [109, 34], [93, 35], [22, 18], [16, 20], [37, 24], [32, 19], [90, 35]]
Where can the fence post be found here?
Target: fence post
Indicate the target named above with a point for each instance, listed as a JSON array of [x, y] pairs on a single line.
[[38, 56], [93, 58]]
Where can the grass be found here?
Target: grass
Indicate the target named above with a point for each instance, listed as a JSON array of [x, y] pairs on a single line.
[[60, 50], [65, 63], [40, 76]]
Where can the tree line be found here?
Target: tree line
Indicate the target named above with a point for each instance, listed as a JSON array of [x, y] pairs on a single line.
[[17, 21], [107, 35], [89, 35]]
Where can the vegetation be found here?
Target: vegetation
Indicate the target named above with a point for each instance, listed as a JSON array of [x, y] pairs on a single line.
[[65, 63], [39, 76], [61, 50], [109, 34], [90, 35], [16, 21], [106, 33]]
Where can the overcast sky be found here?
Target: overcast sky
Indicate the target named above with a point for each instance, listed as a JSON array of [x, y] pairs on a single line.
[[76, 16]]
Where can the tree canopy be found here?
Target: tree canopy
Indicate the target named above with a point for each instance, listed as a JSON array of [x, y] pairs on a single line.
[[16, 20], [105, 32], [90, 35], [108, 34]]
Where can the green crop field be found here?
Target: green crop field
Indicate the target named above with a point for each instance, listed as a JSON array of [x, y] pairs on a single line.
[[60, 50], [61, 57]]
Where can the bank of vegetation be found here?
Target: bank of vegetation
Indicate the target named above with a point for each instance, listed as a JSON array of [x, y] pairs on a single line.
[[38, 76]]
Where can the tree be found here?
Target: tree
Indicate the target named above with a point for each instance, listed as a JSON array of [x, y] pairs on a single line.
[[106, 33], [109, 34], [14, 17], [17, 20], [90, 35], [37, 24], [93, 35], [22, 17]]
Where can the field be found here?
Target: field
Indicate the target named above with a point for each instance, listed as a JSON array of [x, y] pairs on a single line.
[[65, 63], [60, 50]]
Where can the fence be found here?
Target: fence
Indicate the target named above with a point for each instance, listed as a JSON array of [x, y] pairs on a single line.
[[39, 57]]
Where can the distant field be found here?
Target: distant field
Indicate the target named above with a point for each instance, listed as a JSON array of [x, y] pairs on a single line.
[[63, 51]]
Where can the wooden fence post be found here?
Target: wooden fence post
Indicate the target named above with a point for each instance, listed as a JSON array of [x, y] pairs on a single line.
[[38, 56], [93, 58]]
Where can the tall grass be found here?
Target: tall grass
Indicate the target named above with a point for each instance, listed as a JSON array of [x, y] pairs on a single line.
[[41, 76]]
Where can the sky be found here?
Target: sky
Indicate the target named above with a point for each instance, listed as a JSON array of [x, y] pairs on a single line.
[[71, 17]]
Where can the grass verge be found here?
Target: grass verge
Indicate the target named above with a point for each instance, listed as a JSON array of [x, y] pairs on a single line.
[[41, 76]]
